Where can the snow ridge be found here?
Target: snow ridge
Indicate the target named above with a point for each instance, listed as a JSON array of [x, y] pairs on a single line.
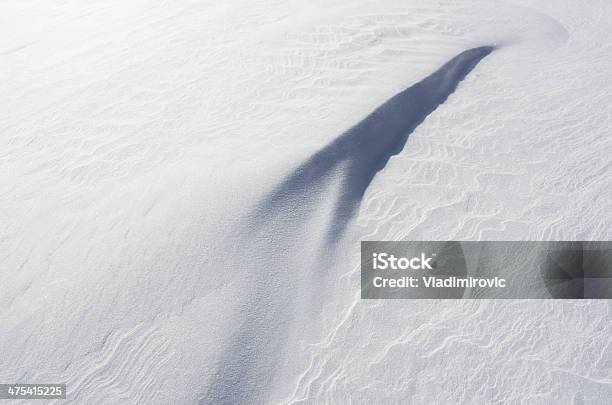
[[248, 363]]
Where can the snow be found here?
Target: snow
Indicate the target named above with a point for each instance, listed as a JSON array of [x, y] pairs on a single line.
[[142, 144]]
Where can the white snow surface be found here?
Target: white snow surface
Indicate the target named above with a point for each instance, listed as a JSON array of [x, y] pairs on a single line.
[[140, 138]]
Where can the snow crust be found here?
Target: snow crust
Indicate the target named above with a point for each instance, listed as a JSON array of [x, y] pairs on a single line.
[[140, 141]]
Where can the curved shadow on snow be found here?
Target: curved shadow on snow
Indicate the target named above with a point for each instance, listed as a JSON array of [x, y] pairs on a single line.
[[248, 364], [365, 149]]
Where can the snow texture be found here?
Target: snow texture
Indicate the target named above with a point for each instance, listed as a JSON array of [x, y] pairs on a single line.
[[184, 186]]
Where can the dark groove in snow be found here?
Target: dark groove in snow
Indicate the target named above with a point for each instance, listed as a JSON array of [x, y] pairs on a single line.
[[365, 149]]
